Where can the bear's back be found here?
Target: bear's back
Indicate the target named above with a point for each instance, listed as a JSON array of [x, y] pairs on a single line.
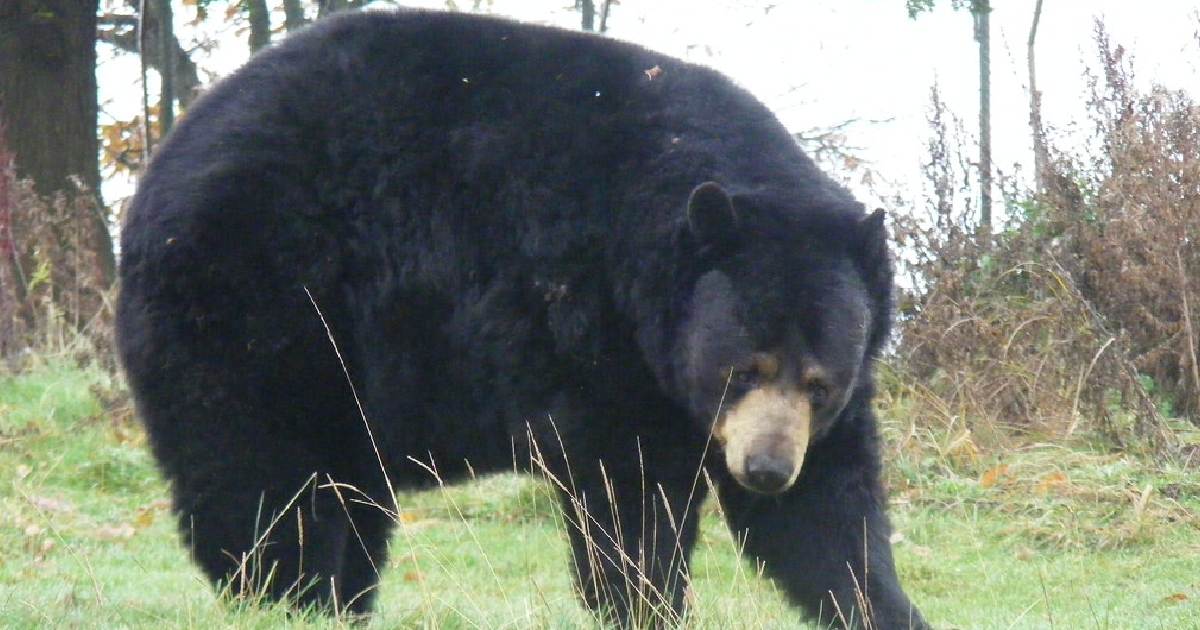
[[380, 101]]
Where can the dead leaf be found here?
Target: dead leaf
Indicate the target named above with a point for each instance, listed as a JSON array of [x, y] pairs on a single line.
[[896, 538], [1175, 598], [413, 576], [145, 515], [920, 551], [48, 504], [653, 73], [123, 531], [33, 529], [144, 518], [1051, 481], [39, 548], [962, 448], [124, 434], [992, 476], [1139, 503]]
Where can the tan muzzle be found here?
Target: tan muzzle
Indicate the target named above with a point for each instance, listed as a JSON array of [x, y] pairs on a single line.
[[765, 436]]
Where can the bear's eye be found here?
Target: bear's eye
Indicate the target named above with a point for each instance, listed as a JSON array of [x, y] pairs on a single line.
[[745, 377], [818, 393]]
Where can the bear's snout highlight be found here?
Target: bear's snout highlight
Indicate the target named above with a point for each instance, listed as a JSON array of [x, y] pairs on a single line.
[[765, 436]]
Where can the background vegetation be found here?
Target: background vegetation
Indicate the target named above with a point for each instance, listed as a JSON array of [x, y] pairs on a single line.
[[1039, 404]]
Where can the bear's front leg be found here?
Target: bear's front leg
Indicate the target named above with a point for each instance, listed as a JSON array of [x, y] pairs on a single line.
[[631, 536], [825, 541]]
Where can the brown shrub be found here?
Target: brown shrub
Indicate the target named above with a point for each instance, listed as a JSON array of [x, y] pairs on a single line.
[[52, 292], [1134, 243], [1080, 315]]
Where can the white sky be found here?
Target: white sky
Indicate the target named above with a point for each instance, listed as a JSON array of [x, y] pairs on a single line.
[[817, 63]]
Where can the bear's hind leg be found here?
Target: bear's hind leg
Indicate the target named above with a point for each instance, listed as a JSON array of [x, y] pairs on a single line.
[[364, 557], [261, 525]]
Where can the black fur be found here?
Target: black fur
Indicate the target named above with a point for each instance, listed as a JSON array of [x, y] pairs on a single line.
[[492, 218]]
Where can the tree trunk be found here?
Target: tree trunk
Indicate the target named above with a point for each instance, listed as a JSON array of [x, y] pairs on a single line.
[[325, 7], [12, 284], [293, 15], [604, 8], [588, 9], [260, 24], [1040, 154], [166, 65], [48, 103], [981, 10]]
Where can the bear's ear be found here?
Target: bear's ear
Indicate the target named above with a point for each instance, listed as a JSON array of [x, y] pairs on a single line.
[[710, 214], [871, 241]]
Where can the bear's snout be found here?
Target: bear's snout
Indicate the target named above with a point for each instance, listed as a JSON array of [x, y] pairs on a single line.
[[765, 436], [768, 474]]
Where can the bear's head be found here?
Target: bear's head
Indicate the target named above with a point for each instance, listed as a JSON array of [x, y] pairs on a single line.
[[787, 310]]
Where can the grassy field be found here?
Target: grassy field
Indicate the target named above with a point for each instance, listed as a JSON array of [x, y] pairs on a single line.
[[1034, 537]]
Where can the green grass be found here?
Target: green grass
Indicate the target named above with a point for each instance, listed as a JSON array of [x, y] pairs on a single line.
[[1038, 537]]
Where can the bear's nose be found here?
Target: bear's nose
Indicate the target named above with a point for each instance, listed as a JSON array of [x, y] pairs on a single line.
[[767, 474]]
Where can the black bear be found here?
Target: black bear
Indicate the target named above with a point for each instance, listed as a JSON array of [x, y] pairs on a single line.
[[407, 241]]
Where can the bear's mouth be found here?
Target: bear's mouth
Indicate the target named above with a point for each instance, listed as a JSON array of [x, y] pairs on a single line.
[[765, 437]]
